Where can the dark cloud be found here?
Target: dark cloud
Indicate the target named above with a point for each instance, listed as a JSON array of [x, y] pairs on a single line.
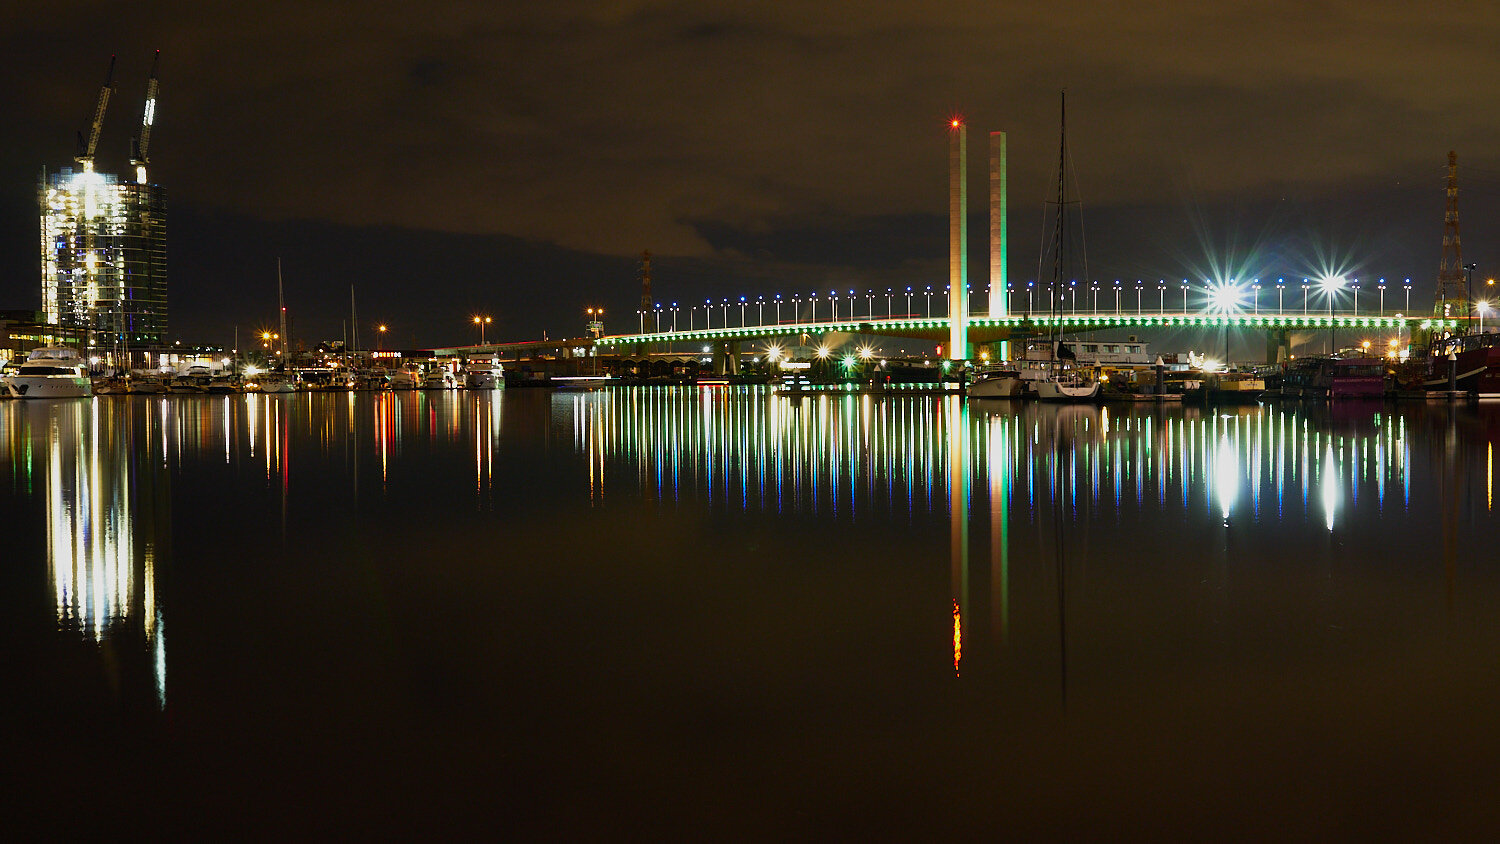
[[773, 141]]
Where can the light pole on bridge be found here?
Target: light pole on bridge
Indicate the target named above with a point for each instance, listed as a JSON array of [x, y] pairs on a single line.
[[1381, 287], [1161, 295], [674, 317], [929, 301], [1255, 291], [1280, 289], [1407, 285], [908, 301], [1305, 297], [1184, 295]]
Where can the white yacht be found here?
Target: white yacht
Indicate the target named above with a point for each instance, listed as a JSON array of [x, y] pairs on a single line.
[[1068, 385], [484, 375], [52, 373], [406, 378], [276, 382], [997, 383], [439, 379]]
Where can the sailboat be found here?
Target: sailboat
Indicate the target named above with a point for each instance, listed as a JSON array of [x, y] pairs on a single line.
[[278, 380], [1063, 382]]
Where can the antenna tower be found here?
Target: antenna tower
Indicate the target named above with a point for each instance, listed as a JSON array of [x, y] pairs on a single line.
[[1452, 292]]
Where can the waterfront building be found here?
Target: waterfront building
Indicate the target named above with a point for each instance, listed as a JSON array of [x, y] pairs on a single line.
[[104, 257]]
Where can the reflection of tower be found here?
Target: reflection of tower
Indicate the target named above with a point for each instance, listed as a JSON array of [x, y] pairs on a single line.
[[955, 409], [1452, 298], [958, 240]]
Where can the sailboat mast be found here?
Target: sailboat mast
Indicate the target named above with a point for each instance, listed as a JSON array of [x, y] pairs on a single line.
[[281, 305], [1060, 230]]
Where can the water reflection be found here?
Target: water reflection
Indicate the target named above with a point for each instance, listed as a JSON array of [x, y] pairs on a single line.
[[854, 456], [105, 509]]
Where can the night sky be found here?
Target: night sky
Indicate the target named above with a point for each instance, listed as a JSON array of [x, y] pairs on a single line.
[[454, 158]]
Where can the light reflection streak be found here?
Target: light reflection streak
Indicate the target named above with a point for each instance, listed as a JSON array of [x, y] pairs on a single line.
[[857, 457], [103, 509]]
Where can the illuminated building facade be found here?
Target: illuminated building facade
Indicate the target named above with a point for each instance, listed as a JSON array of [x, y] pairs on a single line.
[[104, 257]]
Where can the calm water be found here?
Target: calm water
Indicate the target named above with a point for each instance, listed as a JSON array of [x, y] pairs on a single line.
[[726, 614]]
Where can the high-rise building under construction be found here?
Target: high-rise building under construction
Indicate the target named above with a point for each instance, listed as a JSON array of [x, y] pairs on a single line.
[[104, 244]]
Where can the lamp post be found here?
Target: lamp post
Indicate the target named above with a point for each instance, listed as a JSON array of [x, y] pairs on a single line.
[[1469, 284], [929, 301], [1331, 285], [889, 297], [1280, 290], [1184, 296], [1354, 287], [657, 312], [1381, 287], [1407, 285], [760, 310], [674, 317], [908, 301], [380, 338], [1030, 294], [778, 308], [482, 321], [1161, 295], [1255, 291], [1304, 297]]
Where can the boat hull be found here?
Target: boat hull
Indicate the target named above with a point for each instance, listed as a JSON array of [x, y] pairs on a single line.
[[51, 387]]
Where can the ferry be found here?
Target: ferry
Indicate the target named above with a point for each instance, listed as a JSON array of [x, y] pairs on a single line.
[[52, 373]]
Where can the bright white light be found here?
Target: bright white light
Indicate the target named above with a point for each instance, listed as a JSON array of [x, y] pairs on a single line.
[[1225, 298], [824, 352], [866, 352], [1331, 283]]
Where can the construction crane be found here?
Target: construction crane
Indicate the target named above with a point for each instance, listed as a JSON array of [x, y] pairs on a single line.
[[140, 145], [86, 149]]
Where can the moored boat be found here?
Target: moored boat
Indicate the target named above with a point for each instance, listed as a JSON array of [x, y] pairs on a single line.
[[52, 373], [484, 375]]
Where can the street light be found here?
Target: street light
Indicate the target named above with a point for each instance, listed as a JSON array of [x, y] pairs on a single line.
[[1483, 307], [1331, 285], [1381, 287], [1280, 289], [482, 321], [380, 338]]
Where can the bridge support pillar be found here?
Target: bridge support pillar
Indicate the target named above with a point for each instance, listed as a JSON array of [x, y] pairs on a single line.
[[1278, 346], [727, 358]]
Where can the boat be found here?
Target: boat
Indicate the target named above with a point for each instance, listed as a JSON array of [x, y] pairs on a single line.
[[1322, 377], [997, 383], [1068, 384], [146, 385], [1474, 366], [52, 372], [1064, 380], [225, 384], [484, 375], [439, 379], [406, 378], [276, 382]]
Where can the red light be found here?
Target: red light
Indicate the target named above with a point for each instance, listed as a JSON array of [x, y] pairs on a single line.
[[956, 123]]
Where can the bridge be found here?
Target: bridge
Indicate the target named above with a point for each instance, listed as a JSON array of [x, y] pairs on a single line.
[[985, 330]]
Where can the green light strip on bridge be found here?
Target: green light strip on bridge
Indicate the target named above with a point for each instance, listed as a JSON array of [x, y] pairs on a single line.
[[1070, 321]]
